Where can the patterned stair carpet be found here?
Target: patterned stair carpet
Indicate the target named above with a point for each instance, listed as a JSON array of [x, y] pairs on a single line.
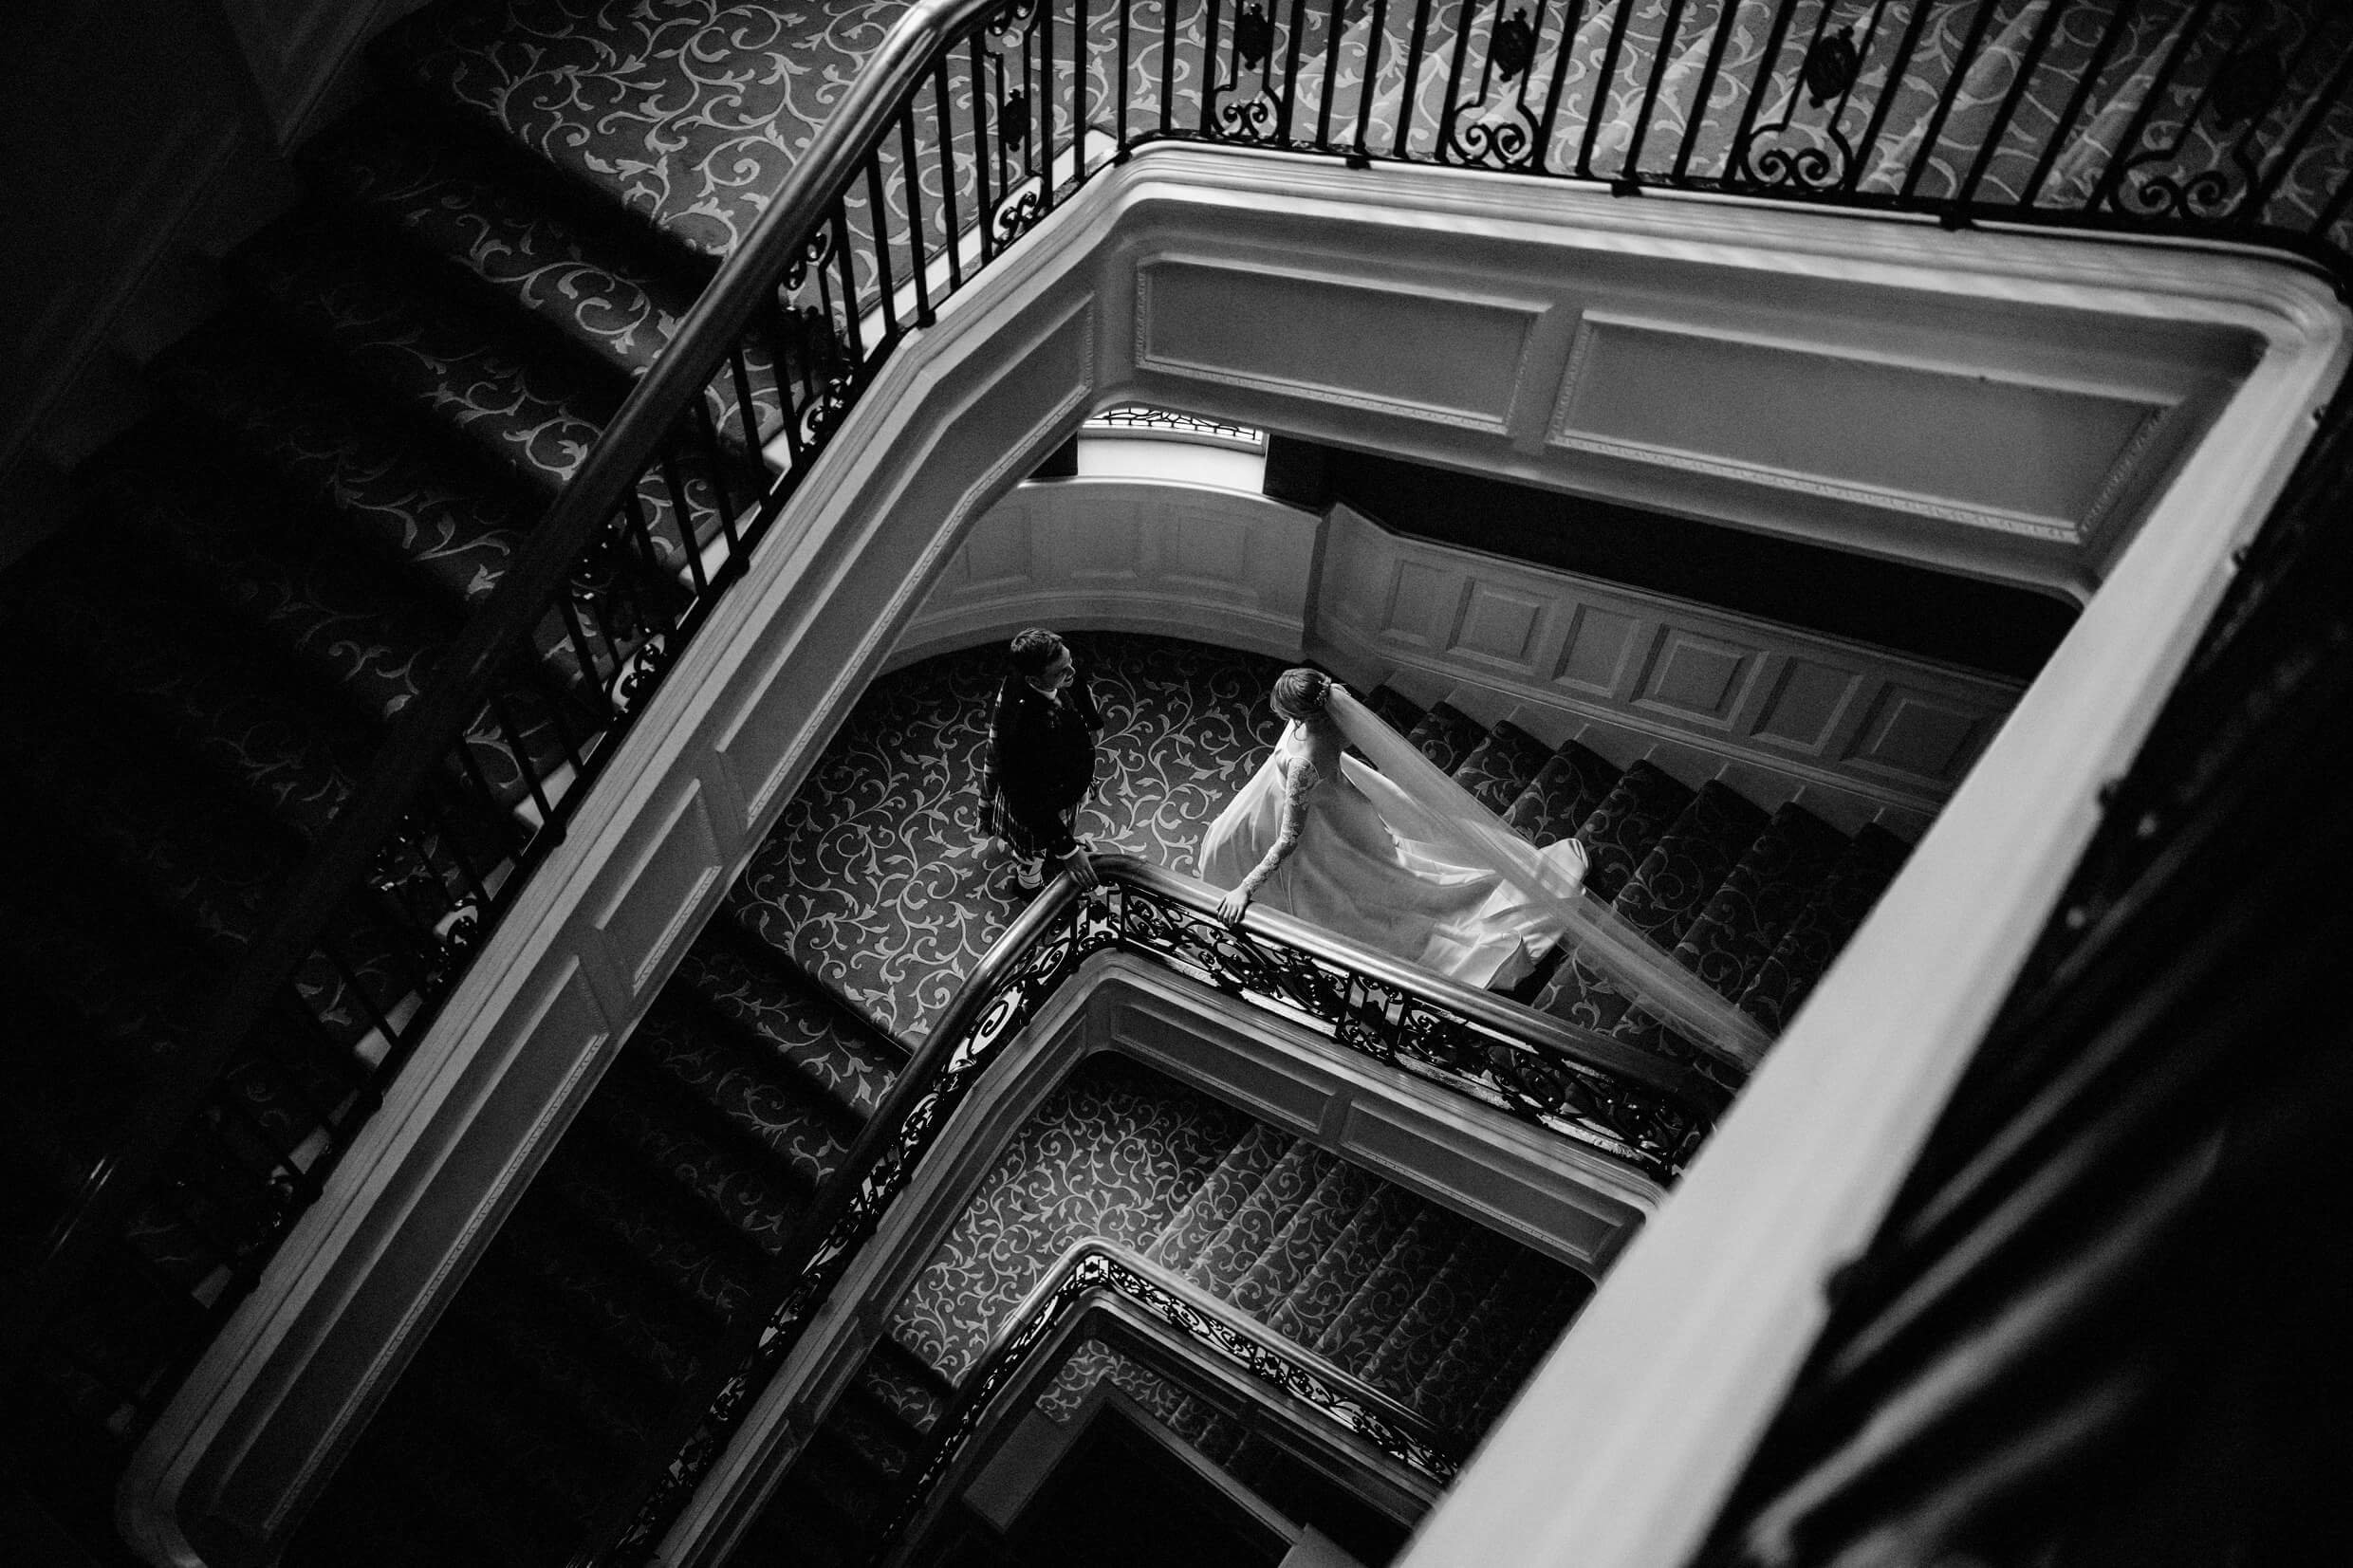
[[1432, 1309]]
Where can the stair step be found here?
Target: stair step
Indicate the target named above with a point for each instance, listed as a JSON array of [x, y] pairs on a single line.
[[1541, 1330], [874, 1433], [1446, 736], [751, 1195], [225, 708], [634, 1320], [1212, 1203], [1621, 832], [1260, 1219], [1316, 1302], [694, 1251], [1421, 1333], [1561, 796], [1742, 922], [1450, 1389], [771, 1110], [456, 526], [1697, 852], [804, 1030], [268, 566], [906, 1386], [1390, 1290], [1819, 931], [1394, 709], [452, 196], [1304, 1240], [1502, 765]]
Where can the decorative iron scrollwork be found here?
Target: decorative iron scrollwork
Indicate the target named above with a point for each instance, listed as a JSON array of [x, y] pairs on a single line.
[[1014, 119], [1514, 48], [1831, 66], [1253, 36], [2249, 85]]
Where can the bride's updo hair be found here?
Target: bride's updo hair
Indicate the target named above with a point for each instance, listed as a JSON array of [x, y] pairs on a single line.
[[1301, 694]]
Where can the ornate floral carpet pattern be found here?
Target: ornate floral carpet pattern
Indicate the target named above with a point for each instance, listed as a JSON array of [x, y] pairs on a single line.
[[882, 882]]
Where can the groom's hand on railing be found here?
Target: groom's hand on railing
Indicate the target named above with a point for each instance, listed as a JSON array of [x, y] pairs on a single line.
[[1229, 907], [1082, 866]]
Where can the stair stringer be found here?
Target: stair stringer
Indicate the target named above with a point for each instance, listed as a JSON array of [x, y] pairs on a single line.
[[1060, 326], [1566, 1202]]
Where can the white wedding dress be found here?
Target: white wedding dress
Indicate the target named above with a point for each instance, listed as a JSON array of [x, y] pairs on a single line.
[[1362, 870]]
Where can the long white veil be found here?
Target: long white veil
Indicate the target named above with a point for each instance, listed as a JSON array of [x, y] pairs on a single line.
[[1439, 810]]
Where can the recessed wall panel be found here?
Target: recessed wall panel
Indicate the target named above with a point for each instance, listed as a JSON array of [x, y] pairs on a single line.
[[1919, 734], [1806, 705], [1595, 656], [1499, 624], [1695, 676], [1420, 600], [1952, 442], [1455, 358]]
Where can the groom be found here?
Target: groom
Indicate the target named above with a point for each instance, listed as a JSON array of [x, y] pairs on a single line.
[[1041, 756]]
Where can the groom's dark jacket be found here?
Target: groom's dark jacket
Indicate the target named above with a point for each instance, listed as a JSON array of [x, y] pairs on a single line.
[[1042, 753]]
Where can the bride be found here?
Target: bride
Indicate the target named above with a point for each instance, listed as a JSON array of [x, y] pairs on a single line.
[[1398, 856], [1319, 834]]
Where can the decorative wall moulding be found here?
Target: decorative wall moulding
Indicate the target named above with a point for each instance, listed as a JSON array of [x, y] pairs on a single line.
[[1854, 732], [1453, 356]]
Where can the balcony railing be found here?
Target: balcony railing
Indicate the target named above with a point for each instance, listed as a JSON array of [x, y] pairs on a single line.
[[972, 122], [1647, 1112], [1097, 1279]]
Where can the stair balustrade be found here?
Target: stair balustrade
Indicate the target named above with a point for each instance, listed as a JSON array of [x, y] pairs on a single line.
[[971, 123], [1094, 1279], [1647, 1112]]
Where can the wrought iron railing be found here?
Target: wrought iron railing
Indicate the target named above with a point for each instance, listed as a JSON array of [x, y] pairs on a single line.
[[1093, 1274], [1137, 419], [1647, 1112], [2210, 119]]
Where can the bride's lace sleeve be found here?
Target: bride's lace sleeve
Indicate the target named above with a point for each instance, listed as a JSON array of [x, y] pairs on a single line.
[[1299, 781]]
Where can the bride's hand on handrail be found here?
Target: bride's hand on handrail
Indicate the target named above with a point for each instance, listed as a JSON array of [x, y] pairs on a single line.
[[1229, 907]]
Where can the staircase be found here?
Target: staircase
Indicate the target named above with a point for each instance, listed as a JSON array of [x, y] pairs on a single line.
[[1758, 904], [640, 1247], [1432, 1309]]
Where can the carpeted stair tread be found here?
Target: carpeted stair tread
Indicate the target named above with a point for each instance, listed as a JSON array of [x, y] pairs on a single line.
[[1395, 709], [1690, 860], [1446, 735], [915, 1395], [1501, 765], [1212, 1203], [270, 566], [1246, 1237], [509, 1320], [695, 1252], [1697, 852], [1450, 1389], [1621, 831], [194, 855], [1308, 1236], [1538, 1334], [1754, 904], [1315, 1303], [755, 1196], [1390, 1290], [798, 1025], [652, 1337], [454, 197], [451, 363], [1815, 937], [798, 1128], [456, 523], [1561, 796], [225, 707], [1419, 1337], [874, 1432]]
